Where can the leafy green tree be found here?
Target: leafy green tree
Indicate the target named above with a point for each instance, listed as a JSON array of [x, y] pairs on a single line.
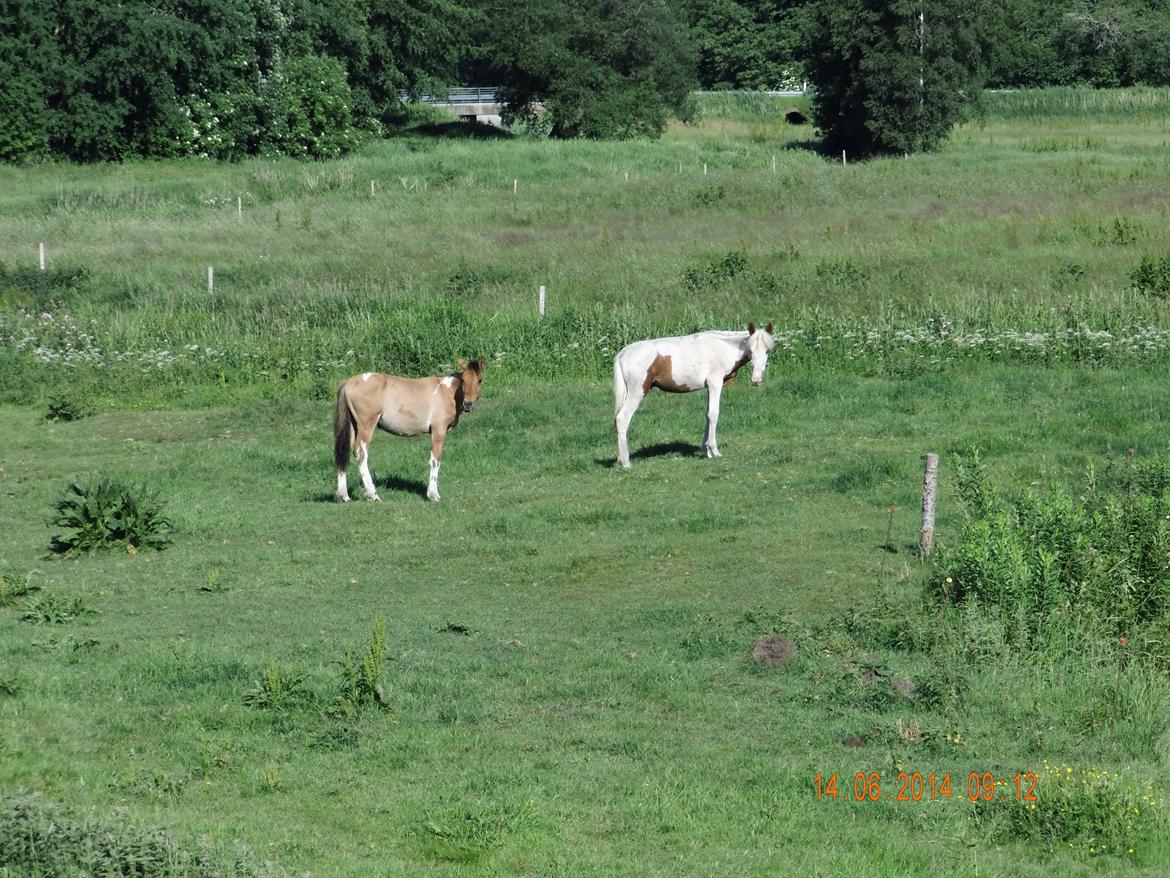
[[589, 68], [892, 76], [750, 44]]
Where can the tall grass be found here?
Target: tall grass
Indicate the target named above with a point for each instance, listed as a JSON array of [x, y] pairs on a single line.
[[1016, 243], [1145, 103]]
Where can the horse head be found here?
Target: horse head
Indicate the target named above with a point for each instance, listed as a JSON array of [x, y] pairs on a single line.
[[760, 344], [472, 376]]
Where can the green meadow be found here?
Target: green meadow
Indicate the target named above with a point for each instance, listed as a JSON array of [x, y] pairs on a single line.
[[548, 672]]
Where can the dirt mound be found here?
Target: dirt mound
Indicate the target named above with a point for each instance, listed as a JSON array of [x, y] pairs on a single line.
[[775, 652]]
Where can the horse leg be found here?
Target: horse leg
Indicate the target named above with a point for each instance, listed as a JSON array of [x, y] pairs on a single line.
[[342, 487], [622, 423], [714, 389], [438, 437], [365, 432]]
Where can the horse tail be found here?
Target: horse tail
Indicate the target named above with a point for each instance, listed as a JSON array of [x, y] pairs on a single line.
[[343, 432], [619, 385]]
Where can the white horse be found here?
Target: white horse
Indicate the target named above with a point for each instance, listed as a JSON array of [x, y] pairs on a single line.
[[682, 364]]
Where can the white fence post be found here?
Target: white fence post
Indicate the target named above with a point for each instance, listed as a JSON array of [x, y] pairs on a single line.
[[210, 279], [41, 254], [540, 302], [929, 490]]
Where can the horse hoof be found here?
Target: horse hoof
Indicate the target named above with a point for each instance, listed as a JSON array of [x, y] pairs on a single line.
[[434, 498], [374, 499], [341, 499]]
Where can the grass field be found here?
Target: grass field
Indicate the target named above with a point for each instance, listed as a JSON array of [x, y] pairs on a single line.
[[566, 682]]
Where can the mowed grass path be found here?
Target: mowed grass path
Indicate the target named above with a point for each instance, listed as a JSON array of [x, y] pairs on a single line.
[[566, 640]]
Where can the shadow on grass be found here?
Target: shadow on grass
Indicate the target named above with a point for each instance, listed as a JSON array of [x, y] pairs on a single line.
[[395, 483], [460, 130], [662, 449], [384, 483]]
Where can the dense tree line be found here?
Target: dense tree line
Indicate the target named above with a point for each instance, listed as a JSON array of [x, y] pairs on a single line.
[[94, 80]]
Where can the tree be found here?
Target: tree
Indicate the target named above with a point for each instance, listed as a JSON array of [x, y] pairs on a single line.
[[744, 43], [596, 68], [892, 76]]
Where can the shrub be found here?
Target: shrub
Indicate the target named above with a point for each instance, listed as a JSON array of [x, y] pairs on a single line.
[[276, 690], [38, 837], [51, 609], [14, 587], [1092, 810], [107, 514], [27, 285], [1043, 561], [308, 109], [361, 673], [63, 408], [1151, 277], [716, 270]]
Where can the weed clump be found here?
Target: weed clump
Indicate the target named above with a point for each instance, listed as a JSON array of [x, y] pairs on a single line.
[[1091, 810], [108, 514], [52, 609], [1151, 277], [63, 408], [1045, 563], [38, 837], [361, 673]]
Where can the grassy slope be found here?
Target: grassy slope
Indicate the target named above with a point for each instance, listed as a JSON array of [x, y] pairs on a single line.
[[600, 714], [599, 718], [1015, 218]]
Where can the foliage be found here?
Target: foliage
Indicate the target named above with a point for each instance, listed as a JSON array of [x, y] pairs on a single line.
[[1094, 811], [38, 837], [716, 270], [1086, 42], [27, 285], [1040, 561], [597, 68], [748, 45], [885, 84], [276, 690], [63, 408], [1151, 277], [52, 609], [107, 514], [361, 673], [94, 81], [14, 587], [308, 109]]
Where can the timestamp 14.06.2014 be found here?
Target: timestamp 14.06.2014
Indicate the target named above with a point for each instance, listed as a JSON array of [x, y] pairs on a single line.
[[914, 786]]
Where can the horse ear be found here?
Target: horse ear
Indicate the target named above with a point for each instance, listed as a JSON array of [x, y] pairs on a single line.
[[751, 329], [479, 365], [768, 329], [462, 363]]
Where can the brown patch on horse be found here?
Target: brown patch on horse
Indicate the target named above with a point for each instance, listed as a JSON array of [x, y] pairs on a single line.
[[730, 376], [661, 375]]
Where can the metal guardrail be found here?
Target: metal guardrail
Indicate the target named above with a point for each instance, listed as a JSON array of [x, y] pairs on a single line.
[[457, 96], [487, 95]]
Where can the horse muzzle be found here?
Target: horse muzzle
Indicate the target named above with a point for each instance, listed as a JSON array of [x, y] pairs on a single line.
[[757, 380], [468, 406]]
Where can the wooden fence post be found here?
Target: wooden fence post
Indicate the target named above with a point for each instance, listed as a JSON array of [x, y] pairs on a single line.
[[929, 489]]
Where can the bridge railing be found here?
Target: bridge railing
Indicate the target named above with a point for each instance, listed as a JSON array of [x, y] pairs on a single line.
[[457, 96]]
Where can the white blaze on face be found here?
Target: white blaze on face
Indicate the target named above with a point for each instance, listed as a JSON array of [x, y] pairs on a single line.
[[759, 352]]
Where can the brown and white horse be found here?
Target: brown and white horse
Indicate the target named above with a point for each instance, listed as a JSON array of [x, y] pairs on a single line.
[[405, 407], [682, 364]]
